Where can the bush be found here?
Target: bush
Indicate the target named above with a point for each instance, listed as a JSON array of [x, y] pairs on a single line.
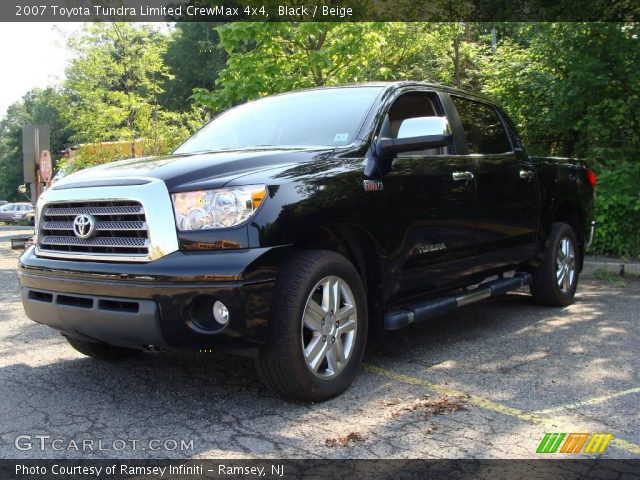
[[618, 210]]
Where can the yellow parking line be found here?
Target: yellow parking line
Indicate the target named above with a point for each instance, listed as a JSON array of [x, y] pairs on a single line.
[[591, 401], [624, 445], [482, 402]]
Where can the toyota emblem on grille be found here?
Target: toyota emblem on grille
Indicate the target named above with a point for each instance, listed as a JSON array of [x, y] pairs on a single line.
[[84, 226]]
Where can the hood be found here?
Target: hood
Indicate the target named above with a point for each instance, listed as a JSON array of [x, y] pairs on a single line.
[[207, 170]]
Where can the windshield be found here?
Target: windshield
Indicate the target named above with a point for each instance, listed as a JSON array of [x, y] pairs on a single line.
[[329, 117]]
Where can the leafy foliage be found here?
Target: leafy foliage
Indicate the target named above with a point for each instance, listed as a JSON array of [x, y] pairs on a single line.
[[618, 210], [113, 88], [266, 58], [193, 57], [574, 90]]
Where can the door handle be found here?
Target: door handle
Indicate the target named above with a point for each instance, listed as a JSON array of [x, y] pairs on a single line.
[[459, 176], [526, 174]]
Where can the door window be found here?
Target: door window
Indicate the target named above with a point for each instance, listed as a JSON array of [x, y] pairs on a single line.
[[483, 129], [409, 116]]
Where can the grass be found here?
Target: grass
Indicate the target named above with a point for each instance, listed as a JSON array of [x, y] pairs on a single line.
[[611, 277]]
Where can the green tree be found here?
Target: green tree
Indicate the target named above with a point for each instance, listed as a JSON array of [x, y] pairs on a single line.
[[113, 88], [193, 57], [574, 90], [448, 53], [266, 58]]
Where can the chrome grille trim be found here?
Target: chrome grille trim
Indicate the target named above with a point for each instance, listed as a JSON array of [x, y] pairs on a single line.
[[114, 210], [134, 222], [96, 242], [123, 225]]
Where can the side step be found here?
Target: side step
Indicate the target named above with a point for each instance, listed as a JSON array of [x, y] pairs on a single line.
[[418, 312]]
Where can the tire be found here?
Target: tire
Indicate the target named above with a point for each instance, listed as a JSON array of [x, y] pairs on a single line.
[[103, 351], [304, 285], [550, 285]]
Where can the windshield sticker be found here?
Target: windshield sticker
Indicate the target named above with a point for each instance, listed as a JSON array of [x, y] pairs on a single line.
[[341, 137]]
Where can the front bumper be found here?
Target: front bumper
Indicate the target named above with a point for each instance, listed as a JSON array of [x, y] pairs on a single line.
[[153, 304]]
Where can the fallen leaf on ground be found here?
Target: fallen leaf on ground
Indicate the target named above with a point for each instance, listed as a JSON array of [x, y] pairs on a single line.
[[344, 441], [437, 406]]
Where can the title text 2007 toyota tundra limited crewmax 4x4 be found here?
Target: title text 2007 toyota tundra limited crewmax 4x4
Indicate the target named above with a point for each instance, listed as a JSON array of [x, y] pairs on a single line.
[[298, 225]]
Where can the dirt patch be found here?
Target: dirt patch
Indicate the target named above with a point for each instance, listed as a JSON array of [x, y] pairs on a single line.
[[426, 405]]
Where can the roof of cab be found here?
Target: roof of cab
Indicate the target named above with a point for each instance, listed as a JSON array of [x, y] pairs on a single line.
[[402, 84]]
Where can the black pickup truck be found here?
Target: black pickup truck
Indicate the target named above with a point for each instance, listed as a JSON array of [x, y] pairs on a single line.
[[294, 227]]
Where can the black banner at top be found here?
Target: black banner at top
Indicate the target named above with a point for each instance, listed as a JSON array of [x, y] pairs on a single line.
[[318, 10]]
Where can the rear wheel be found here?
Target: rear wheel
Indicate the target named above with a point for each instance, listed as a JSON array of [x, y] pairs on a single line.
[[555, 281], [318, 328], [102, 351]]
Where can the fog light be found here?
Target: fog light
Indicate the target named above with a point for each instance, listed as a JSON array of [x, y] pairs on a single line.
[[220, 312]]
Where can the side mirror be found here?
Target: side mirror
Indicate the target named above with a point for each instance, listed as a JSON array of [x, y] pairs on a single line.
[[419, 133]]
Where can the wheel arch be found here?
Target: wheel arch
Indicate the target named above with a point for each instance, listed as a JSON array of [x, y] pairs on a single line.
[[571, 214], [360, 249]]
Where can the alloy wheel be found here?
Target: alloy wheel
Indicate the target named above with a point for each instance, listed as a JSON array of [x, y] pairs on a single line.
[[329, 327], [565, 265]]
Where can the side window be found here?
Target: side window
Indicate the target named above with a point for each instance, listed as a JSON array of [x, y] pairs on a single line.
[[482, 126], [412, 115]]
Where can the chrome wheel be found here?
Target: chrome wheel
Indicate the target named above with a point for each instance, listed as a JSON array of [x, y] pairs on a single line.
[[329, 327], [565, 265]]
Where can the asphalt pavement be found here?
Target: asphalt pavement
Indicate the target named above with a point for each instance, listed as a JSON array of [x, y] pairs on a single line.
[[488, 381]]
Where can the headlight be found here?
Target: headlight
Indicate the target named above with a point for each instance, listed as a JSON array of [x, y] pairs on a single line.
[[222, 208]]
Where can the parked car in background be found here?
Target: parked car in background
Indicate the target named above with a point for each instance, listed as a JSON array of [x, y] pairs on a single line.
[[3, 202], [16, 212]]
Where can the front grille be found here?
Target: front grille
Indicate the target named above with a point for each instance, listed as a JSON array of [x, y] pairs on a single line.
[[120, 229]]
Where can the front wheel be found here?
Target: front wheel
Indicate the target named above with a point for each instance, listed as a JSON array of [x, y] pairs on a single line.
[[318, 328], [555, 281]]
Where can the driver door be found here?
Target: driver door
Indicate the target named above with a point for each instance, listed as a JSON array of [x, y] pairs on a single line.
[[431, 194]]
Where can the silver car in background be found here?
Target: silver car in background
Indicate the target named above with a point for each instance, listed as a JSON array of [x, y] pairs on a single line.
[[17, 212]]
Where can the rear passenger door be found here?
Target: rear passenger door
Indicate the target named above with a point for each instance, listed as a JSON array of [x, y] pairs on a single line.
[[507, 197]]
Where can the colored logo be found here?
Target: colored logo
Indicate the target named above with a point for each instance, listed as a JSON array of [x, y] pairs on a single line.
[[592, 443], [372, 185]]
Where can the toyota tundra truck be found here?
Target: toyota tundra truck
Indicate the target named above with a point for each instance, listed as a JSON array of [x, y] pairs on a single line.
[[294, 227]]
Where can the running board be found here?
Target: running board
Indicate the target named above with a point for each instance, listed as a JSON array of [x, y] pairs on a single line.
[[418, 312]]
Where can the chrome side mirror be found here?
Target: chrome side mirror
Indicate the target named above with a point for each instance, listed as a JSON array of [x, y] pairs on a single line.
[[423, 126]]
